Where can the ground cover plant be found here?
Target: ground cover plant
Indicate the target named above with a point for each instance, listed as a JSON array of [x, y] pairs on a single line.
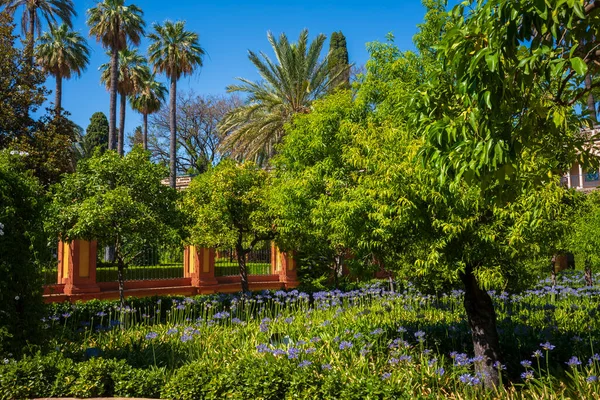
[[363, 343]]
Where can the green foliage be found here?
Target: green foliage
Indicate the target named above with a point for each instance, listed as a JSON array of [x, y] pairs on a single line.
[[21, 244], [20, 83], [112, 198], [584, 238], [287, 87], [227, 203], [339, 67], [96, 134]]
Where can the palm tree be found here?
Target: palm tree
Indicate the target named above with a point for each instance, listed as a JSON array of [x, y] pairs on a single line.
[[36, 10], [176, 52], [62, 53], [286, 88], [148, 100], [133, 71], [114, 25]]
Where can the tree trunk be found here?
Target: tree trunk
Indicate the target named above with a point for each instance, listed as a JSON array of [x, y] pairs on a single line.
[[31, 36], [241, 258], [123, 108], [112, 118], [482, 321], [58, 94], [588, 274], [553, 270], [121, 271], [173, 141], [145, 139], [591, 102]]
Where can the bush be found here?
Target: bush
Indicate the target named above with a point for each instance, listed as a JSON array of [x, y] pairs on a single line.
[[21, 243]]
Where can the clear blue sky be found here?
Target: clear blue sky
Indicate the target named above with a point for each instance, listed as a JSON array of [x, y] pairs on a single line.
[[228, 29]]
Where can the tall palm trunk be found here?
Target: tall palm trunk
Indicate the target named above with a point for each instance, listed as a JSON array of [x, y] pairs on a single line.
[[31, 36], [122, 110], [145, 134], [112, 118], [173, 125], [591, 102], [58, 94]]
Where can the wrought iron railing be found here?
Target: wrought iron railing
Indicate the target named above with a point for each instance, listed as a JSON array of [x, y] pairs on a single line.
[[258, 262], [152, 263]]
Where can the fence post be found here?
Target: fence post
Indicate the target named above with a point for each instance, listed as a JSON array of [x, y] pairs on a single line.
[[199, 265], [284, 264], [77, 266]]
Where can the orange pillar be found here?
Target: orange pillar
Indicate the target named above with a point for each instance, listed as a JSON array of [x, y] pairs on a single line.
[[199, 265], [77, 266], [285, 266]]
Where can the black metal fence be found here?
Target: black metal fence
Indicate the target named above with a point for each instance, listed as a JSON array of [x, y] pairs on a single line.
[[152, 263], [258, 262]]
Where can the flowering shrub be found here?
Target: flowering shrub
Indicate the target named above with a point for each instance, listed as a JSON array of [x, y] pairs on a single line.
[[344, 345]]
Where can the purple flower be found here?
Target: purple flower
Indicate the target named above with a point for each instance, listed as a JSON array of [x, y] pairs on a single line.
[[315, 339], [310, 350], [66, 315], [377, 331], [440, 371], [526, 363], [289, 320], [236, 321], [345, 345], [393, 361], [304, 363], [262, 348], [527, 375], [101, 314], [293, 353], [386, 375], [547, 346], [469, 380], [420, 335], [498, 365], [326, 366], [405, 358], [592, 378], [573, 362], [186, 338], [151, 335], [401, 329], [537, 354]]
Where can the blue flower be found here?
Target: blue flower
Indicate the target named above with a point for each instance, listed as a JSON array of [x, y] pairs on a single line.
[[293, 353], [386, 375], [326, 366], [527, 375], [469, 380], [401, 329], [377, 331], [440, 371], [547, 346], [262, 348], [345, 345], [289, 320], [537, 354], [592, 378], [526, 363], [101, 314], [420, 335], [304, 363], [186, 338], [151, 335], [573, 362]]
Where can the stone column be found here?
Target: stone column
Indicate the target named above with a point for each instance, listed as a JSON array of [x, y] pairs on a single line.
[[77, 266], [580, 176]]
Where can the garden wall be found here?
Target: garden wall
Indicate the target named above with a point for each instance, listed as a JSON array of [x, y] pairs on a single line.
[[77, 267]]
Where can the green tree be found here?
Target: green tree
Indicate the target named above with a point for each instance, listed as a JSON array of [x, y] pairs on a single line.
[[115, 25], [228, 207], [136, 138], [133, 72], [176, 53], [20, 85], [339, 67], [514, 71], [96, 134], [286, 89], [62, 53], [584, 239], [148, 100], [118, 200], [21, 241], [36, 10]]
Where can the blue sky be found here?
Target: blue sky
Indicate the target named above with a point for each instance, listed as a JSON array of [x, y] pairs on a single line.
[[228, 29]]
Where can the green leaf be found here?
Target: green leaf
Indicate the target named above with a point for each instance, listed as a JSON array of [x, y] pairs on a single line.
[[492, 61], [578, 65], [487, 98]]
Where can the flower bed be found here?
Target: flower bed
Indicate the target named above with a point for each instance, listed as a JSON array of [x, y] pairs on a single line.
[[367, 343]]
